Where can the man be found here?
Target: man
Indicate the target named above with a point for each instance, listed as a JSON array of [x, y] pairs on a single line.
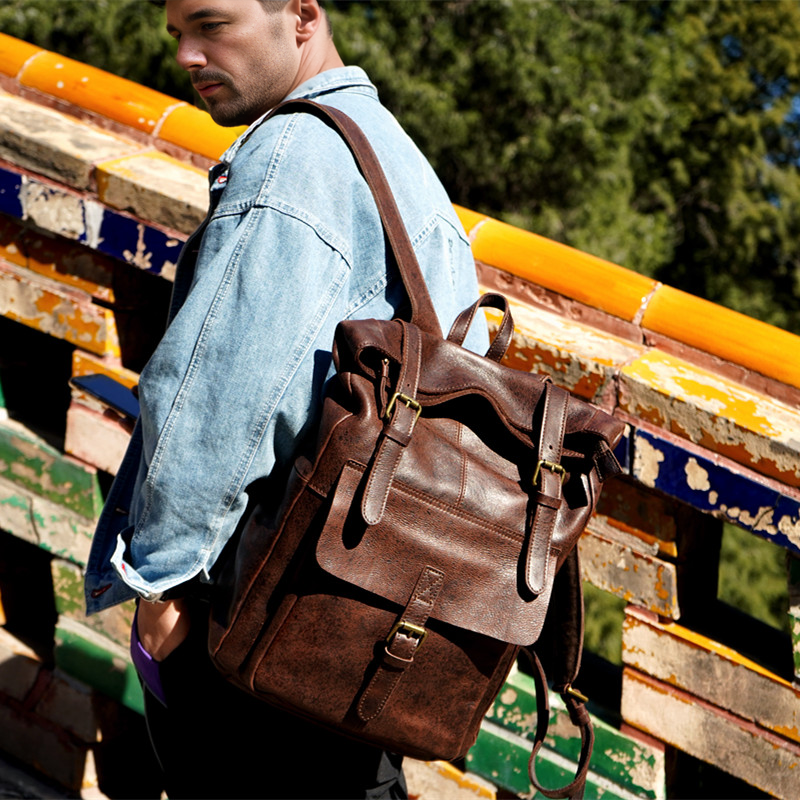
[[292, 245]]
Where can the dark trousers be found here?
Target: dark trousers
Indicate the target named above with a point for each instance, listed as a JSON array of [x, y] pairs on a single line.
[[215, 741]]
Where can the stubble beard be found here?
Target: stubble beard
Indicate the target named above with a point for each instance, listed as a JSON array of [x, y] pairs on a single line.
[[235, 107], [230, 113], [240, 105]]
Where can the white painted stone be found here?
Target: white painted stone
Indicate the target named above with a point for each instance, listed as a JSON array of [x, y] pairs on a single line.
[[95, 439], [758, 757], [52, 144], [157, 188]]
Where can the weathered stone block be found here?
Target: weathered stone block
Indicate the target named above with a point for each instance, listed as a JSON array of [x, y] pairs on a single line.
[[19, 667], [155, 187], [627, 572], [42, 522], [52, 144], [114, 623], [705, 731], [97, 439], [716, 413], [711, 671], [59, 211]]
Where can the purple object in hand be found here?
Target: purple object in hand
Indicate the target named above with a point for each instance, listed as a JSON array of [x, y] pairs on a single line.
[[146, 665]]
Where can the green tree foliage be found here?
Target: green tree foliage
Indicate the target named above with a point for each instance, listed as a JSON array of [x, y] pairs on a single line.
[[752, 577], [126, 37], [725, 158], [654, 134], [657, 134]]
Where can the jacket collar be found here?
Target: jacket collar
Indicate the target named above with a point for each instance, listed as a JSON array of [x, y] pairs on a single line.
[[331, 80]]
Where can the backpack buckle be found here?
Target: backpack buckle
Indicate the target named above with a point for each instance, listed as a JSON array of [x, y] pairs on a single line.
[[557, 468], [407, 629], [403, 398]]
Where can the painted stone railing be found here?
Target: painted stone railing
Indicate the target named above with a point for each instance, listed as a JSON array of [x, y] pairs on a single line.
[[100, 182]]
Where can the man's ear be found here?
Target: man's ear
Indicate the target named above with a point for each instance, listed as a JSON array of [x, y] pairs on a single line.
[[309, 18]]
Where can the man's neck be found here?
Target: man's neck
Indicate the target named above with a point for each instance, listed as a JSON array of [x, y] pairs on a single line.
[[315, 61]]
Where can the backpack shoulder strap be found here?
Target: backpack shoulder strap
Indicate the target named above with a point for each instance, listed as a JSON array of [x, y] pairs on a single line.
[[422, 311], [561, 645]]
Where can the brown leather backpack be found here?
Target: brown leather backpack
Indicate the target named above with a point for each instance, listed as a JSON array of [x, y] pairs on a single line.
[[416, 552]]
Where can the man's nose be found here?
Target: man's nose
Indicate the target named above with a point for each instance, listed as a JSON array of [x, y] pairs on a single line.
[[189, 55]]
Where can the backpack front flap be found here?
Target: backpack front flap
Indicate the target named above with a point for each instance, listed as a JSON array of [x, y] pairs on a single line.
[[463, 493]]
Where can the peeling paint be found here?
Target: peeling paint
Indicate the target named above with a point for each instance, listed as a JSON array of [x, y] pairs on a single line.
[[33, 303], [168, 270], [760, 522], [508, 696], [141, 258], [643, 771], [54, 211], [93, 215], [696, 476], [48, 525], [576, 356], [717, 414], [739, 496], [561, 728], [48, 473], [790, 528], [647, 462]]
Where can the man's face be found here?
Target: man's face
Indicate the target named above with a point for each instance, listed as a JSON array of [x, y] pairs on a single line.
[[241, 57]]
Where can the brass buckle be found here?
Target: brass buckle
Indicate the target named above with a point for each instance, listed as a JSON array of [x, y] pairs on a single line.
[[575, 693], [408, 629], [409, 401], [557, 468]]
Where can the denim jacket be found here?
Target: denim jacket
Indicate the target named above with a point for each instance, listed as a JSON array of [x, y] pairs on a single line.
[[292, 245]]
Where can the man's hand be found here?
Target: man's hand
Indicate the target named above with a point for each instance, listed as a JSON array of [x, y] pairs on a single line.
[[162, 626]]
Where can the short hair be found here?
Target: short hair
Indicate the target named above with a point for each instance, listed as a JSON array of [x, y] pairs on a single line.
[[267, 3], [275, 4]]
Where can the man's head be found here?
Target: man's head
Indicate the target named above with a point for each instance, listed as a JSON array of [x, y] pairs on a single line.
[[245, 56]]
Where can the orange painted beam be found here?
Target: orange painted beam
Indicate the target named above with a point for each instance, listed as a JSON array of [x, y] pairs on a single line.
[[116, 98], [561, 269], [96, 90], [623, 293], [193, 129], [14, 53], [725, 333]]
